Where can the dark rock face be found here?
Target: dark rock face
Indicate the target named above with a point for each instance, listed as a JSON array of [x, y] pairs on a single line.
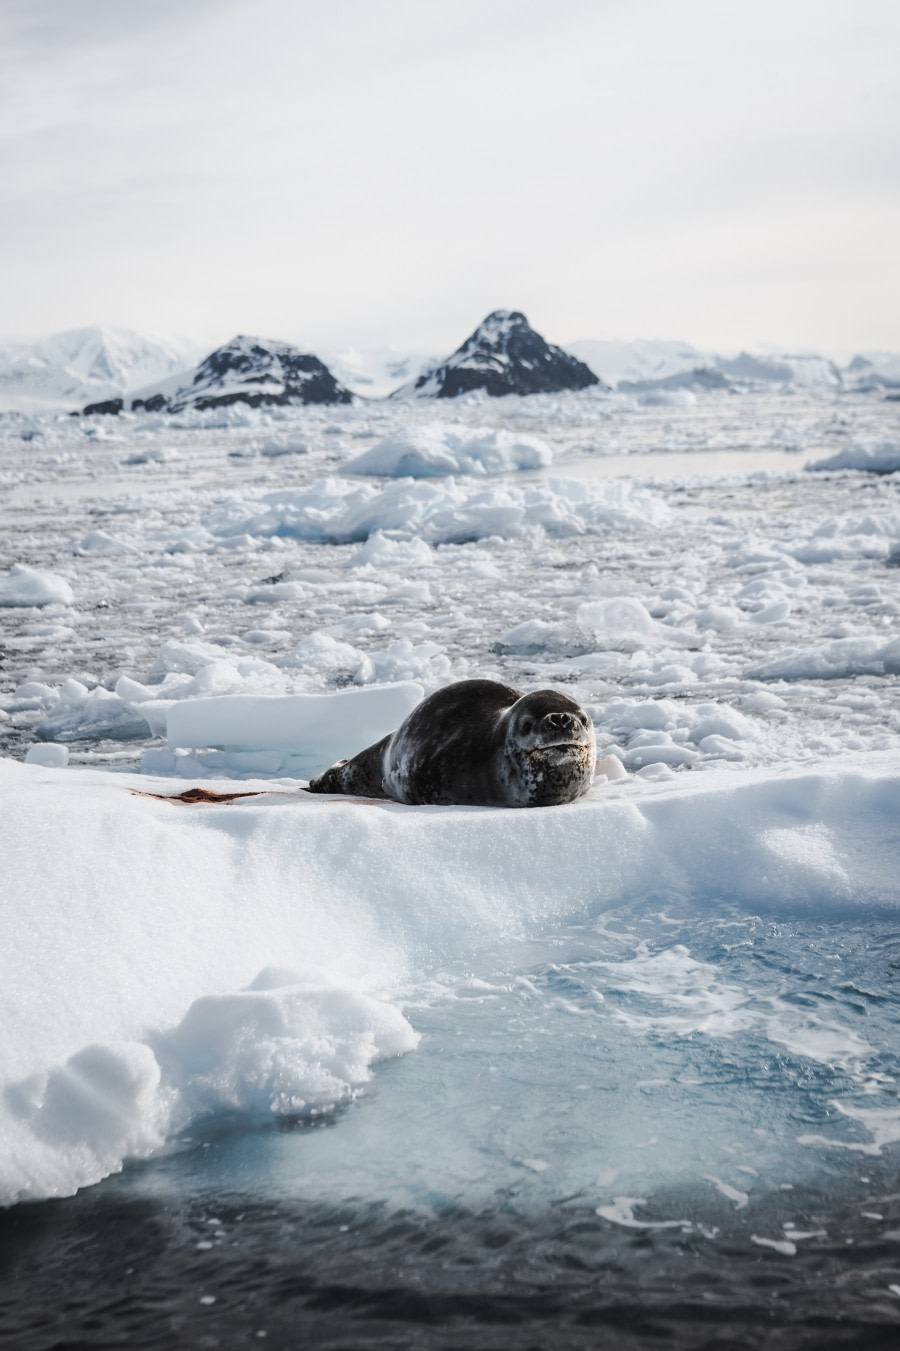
[[255, 372], [112, 407], [503, 356], [154, 404], [247, 370]]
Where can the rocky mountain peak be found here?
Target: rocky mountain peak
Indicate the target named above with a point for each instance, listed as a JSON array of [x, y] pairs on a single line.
[[504, 355]]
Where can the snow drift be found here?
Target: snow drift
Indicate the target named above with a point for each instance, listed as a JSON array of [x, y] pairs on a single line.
[[164, 963]]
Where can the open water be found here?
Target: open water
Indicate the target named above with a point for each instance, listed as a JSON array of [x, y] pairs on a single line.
[[666, 1127]]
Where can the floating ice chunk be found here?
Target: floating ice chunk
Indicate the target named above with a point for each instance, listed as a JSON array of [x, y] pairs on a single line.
[[661, 714], [537, 635], [100, 542], [655, 771], [438, 448], [719, 618], [782, 1245], [660, 753], [285, 1046], [836, 660], [247, 674], [721, 747], [25, 586], [321, 652], [722, 721], [96, 714], [621, 1211], [403, 661], [323, 727], [56, 757], [277, 446], [153, 455], [761, 701], [625, 624], [740, 1198], [380, 551], [130, 691], [772, 614], [278, 593], [611, 766]]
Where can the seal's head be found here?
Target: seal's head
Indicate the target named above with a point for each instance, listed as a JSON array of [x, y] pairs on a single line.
[[547, 750]]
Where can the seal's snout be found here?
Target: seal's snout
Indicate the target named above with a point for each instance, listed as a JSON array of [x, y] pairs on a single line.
[[565, 722]]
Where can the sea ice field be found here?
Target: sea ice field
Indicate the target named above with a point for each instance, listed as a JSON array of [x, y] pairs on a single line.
[[291, 1070]]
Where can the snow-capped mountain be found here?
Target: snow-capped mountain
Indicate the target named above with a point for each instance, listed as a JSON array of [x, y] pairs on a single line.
[[503, 356], [375, 372], [246, 370], [807, 370], [645, 365], [66, 370], [873, 371], [698, 378], [642, 359]]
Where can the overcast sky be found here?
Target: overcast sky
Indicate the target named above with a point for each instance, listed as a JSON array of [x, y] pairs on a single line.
[[367, 171]]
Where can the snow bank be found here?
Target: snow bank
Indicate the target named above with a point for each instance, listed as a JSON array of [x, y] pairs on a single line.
[[30, 586], [162, 963], [883, 458], [438, 448], [337, 511]]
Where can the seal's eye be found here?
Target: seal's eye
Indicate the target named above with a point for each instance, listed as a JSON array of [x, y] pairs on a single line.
[[526, 725]]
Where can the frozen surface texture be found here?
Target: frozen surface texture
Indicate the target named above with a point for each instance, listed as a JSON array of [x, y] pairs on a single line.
[[670, 1000], [163, 963]]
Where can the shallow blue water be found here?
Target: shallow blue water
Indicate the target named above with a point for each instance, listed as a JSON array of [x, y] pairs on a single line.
[[686, 1118]]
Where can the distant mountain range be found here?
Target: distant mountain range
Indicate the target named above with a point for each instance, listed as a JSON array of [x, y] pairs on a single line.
[[83, 365], [110, 370]]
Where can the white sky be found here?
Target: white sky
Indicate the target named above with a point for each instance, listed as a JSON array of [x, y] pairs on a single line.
[[367, 171]]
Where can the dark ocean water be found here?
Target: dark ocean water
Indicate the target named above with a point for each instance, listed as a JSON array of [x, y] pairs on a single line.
[[191, 1268]]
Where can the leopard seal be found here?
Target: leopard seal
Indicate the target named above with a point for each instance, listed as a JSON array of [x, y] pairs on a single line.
[[476, 743]]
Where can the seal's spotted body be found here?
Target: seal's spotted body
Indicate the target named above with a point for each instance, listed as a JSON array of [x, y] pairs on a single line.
[[477, 743]]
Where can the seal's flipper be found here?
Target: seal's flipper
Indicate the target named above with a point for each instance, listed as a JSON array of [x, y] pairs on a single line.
[[363, 776]]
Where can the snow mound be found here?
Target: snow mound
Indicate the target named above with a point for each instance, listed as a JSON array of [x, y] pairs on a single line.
[[249, 958], [440, 448], [24, 586]]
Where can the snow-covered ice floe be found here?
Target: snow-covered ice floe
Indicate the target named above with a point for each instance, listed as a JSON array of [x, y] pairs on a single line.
[[24, 586], [339, 511], [437, 448], [164, 963]]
